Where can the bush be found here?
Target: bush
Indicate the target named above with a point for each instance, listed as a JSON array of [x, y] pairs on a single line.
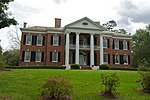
[[143, 69], [145, 81], [75, 66], [104, 66], [35, 67], [57, 88], [110, 82], [2, 64], [120, 68]]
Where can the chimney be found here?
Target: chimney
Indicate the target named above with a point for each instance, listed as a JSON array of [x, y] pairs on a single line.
[[57, 22], [24, 25]]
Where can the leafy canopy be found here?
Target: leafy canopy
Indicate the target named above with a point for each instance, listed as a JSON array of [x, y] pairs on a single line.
[[5, 19]]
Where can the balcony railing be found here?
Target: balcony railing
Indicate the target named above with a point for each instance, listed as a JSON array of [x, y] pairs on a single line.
[[72, 46]]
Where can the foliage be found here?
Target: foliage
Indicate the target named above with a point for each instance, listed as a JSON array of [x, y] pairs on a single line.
[[110, 24], [5, 19], [111, 82], [104, 66], [75, 66], [2, 64], [143, 69], [56, 87], [11, 57], [141, 47], [145, 81], [35, 67], [120, 68]]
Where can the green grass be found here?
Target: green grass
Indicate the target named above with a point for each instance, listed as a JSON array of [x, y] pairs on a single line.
[[24, 84]]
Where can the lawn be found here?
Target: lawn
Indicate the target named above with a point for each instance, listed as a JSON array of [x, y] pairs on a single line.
[[24, 84]]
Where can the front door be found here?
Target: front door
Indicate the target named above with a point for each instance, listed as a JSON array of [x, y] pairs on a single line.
[[82, 59]]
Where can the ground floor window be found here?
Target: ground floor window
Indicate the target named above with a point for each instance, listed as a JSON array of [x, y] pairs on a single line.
[[27, 56], [38, 56], [125, 59], [116, 59], [105, 58]]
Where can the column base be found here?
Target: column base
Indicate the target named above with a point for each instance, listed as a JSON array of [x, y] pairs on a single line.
[[68, 67]]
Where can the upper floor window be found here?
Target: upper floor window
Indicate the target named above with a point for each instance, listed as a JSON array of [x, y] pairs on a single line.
[[27, 56], [105, 43], [124, 45], [38, 56], [55, 40], [39, 40], [116, 45], [28, 40]]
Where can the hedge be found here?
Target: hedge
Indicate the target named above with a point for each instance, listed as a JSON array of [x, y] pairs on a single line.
[[35, 67]]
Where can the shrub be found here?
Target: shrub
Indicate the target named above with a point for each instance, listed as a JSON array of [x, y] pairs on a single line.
[[145, 81], [143, 69], [56, 87], [104, 66], [110, 82], [75, 66], [35, 67]]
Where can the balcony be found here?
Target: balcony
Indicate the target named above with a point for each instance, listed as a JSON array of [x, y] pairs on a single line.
[[83, 47]]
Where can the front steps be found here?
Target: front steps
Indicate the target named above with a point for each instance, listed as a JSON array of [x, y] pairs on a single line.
[[86, 67]]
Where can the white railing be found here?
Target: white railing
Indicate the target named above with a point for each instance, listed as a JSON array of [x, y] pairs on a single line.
[[72, 46]]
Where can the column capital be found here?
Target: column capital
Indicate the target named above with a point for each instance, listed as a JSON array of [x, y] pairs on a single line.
[[92, 33], [67, 32], [77, 32]]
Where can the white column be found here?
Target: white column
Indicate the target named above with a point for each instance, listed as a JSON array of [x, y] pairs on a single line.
[[77, 48], [67, 52], [101, 49], [91, 50]]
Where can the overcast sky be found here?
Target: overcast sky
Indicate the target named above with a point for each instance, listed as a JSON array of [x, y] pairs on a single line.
[[129, 14]]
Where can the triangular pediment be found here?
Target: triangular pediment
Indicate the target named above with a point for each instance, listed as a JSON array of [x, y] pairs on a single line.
[[85, 23]]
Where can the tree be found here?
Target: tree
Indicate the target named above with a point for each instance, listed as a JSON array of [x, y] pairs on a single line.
[[141, 47], [110, 25], [1, 59], [5, 19], [11, 57], [14, 38]]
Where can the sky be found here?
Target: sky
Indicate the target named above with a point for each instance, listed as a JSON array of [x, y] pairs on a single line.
[[129, 14]]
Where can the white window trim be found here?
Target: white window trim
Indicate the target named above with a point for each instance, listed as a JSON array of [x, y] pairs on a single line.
[[118, 59], [25, 56], [125, 44], [106, 59], [126, 59], [36, 56], [41, 41], [27, 36], [57, 40], [56, 56], [106, 43], [116, 43]]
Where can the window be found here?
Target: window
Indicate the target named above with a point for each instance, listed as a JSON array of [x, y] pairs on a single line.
[[39, 40], [105, 43], [55, 40], [54, 56], [27, 56], [38, 56], [28, 39], [105, 58], [124, 45], [125, 59], [117, 45], [116, 59]]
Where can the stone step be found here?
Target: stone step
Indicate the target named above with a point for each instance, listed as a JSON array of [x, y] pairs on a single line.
[[85, 67]]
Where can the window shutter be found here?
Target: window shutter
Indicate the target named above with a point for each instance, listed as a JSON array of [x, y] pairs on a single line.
[[51, 56], [107, 43], [42, 59], [35, 40], [33, 54], [120, 45], [113, 44], [113, 59], [58, 56], [59, 40], [73, 57], [95, 58], [95, 40], [108, 58], [52, 40], [24, 39], [128, 45], [128, 59], [23, 54], [121, 59], [43, 42]]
